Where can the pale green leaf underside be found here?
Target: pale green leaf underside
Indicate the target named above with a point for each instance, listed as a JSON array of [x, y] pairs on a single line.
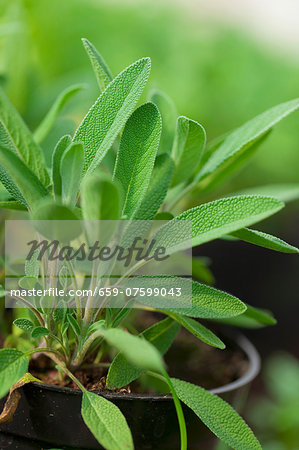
[[215, 219], [247, 133], [138, 351], [59, 149], [283, 192], [71, 168], [251, 318], [101, 70], [217, 415], [106, 422], [264, 240], [161, 335], [110, 112], [16, 136], [136, 155], [189, 144], [13, 365], [48, 122]]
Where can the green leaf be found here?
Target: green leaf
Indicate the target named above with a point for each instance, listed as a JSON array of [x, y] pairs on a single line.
[[211, 303], [138, 351], [24, 179], [32, 265], [240, 140], [16, 136], [215, 219], [39, 332], [283, 192], [161, 335], [74, 324], [106, 422], [23, 324], [189, 144], [196, 328], [201, 271], [157, 190], [48, 122], [13, 365], [15, 205], [60, 311], [101, 70], [100, 197], [27, 282], [71, 169], [264, 240], [217, 415], [110, 112], [60, 148], [168, 112], [136, 155], [251, 318]]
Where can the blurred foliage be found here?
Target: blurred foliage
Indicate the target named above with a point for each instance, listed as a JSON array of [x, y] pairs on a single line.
[[275, 417], [216, 76]]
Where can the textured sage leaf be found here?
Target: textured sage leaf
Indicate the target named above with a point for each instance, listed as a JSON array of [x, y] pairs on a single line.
[[100, 197], [211, 303], [161, 335], [23, 324], [251, 318], [24, 179], [27, 282], [240, 140], [39, 332], [15, 205], [48, 122], [106, 422], [16, 136], [110, 112], [101, 70], [60, 148], [136, 155], [283, 192], [217, 415], [157, 190], [13, 365], [168, 112], [215, 219], [71, 169], [196, 328], [264, 240], [139, 352], [189, 144], [32, 265]]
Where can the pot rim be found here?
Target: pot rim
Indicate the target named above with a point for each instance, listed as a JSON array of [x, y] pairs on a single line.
[[242, 342]]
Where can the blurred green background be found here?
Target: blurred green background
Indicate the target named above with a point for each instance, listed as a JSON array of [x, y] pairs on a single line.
[[216, 74]]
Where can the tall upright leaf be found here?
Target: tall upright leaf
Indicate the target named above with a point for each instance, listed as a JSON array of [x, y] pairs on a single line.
[[47, 123], [240, 140], [71, 168], [101, 69], [189, 144], [110, 112], [157, 189], [59, 149], [16, 136], [168, 112], [215, 219], [30, 187], [136, 155]]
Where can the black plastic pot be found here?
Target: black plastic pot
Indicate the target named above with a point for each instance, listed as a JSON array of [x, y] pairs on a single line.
[[49, 416]]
